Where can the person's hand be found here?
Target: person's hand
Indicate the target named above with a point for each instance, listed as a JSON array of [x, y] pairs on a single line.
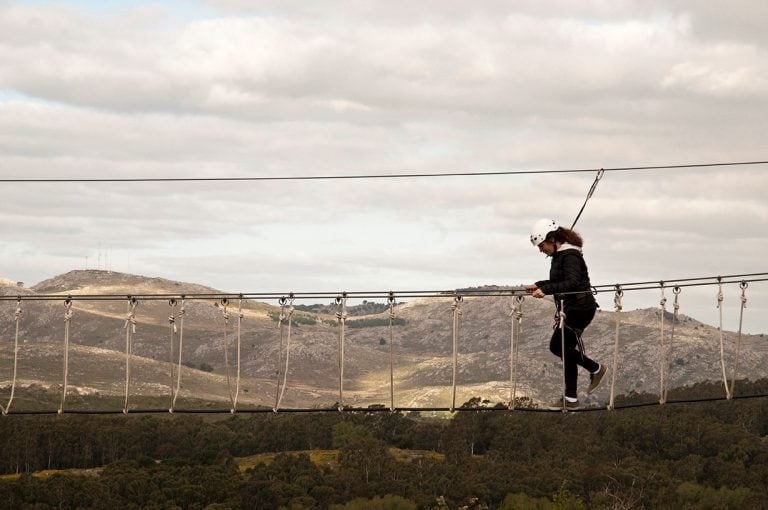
[[534, 291]]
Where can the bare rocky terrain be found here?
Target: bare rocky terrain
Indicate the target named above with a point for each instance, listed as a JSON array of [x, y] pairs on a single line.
[[422, 353]]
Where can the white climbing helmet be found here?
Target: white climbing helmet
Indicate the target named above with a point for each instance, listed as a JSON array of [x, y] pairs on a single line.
[[540, 229]]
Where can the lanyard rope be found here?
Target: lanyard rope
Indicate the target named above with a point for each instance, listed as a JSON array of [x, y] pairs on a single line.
[[17, 316], [517, 323], [589, 195]]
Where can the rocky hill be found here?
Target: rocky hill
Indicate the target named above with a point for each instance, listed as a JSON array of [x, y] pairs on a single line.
[[421, 347]]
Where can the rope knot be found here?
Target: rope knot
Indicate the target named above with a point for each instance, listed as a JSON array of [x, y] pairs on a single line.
[[172, 322], [172, 318], [517, 309], [131, 318], [456, 307], [341, 313], [617, 300], [68, 310], [130, 321]]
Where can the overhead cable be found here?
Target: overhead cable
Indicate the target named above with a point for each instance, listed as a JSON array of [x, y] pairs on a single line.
[[366, 176]]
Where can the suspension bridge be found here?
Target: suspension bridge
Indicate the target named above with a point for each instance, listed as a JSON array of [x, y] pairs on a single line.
[[230, 315]]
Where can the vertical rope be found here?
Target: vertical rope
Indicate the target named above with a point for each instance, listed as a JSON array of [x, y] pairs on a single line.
[[341, 316], [617, 315], [283, 318], [391, 353], [130, 329], [743, 287], [225, 317], [67, 323], [17, 316], [517, 323], [456, 323], [561, 323], [240, 318], [171, 358], [182, 312], [280, 327], [722, 347], [662, 353], [668, 360]]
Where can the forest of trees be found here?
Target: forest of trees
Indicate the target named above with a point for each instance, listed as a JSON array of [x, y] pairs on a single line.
[[695, 455]]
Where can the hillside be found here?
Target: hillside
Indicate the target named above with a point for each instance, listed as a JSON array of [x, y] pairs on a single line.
[[422, 348]]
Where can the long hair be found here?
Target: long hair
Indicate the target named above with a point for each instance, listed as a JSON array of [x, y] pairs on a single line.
[[566, 235]]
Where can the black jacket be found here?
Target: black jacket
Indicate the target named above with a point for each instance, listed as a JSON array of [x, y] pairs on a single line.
[[568, 273]]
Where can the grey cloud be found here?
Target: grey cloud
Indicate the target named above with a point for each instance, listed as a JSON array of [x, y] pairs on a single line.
[[294, 88]]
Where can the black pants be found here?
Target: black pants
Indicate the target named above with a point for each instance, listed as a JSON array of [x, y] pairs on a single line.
[[575, 323]]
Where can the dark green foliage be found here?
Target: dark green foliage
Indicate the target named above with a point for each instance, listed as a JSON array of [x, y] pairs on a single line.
[[375, 322], [696, 455], [297, 319], [205, 367], [366, 308]]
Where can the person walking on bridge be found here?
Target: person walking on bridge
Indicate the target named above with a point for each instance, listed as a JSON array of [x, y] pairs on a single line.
[[569, 284]]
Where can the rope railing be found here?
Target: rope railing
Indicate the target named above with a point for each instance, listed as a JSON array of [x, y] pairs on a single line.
[[176, 327], [402, 294]]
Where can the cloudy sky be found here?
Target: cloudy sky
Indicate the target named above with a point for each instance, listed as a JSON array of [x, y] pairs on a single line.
[[219, 89]]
